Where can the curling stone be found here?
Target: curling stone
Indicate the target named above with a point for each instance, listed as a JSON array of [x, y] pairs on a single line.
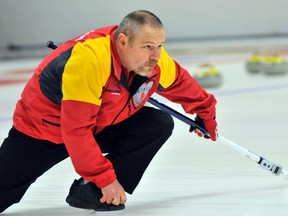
[[274, 65], [208, 76], [254, 63]]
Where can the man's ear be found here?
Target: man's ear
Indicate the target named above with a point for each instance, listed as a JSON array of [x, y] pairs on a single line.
[[122, 39]]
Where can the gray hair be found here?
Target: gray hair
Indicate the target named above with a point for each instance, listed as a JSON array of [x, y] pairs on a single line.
[[132, 24]]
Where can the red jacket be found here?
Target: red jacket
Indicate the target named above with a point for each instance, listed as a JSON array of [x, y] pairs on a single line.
[[81, 86]]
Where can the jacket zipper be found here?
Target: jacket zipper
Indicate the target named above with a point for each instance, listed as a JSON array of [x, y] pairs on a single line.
[[129, 106], [129, 109]]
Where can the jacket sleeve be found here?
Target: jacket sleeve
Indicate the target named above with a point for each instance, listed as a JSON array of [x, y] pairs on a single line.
[[82, 87], [180, 87], [78, 122]]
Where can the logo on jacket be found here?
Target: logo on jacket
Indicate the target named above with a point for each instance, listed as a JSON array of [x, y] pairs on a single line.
[[113, 89], [142, 92]]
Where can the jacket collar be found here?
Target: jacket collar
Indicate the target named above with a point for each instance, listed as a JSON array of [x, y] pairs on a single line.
[[116, 63]]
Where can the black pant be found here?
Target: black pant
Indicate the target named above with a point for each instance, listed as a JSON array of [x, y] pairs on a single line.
[[130, 145]]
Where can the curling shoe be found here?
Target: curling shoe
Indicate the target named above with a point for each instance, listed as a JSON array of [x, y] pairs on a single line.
[[88, 196]]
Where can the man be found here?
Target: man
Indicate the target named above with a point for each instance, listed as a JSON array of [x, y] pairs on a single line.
[[86, 100]]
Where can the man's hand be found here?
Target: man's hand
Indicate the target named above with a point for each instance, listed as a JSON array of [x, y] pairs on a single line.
[[113, 193], [210, 125]]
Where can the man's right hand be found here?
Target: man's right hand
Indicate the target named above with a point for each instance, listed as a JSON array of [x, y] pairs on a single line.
[[113, 193]]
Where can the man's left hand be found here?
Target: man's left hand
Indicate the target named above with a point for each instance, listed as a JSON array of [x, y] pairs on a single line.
[[209, 124]]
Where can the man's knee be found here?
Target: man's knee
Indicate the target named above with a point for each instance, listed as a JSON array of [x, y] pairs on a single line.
[[167, 121], [163, 122]]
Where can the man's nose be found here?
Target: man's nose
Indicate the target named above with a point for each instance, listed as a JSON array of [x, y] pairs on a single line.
[[155, 54]]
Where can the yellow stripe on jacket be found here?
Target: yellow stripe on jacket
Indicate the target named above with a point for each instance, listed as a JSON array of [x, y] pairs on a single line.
[[168, 69], [87, 71]]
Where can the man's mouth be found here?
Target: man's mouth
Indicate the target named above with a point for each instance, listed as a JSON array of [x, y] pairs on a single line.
[[151, 66], [152, 63]]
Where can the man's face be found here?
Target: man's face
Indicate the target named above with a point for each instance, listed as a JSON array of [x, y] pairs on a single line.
[[143, 53]]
